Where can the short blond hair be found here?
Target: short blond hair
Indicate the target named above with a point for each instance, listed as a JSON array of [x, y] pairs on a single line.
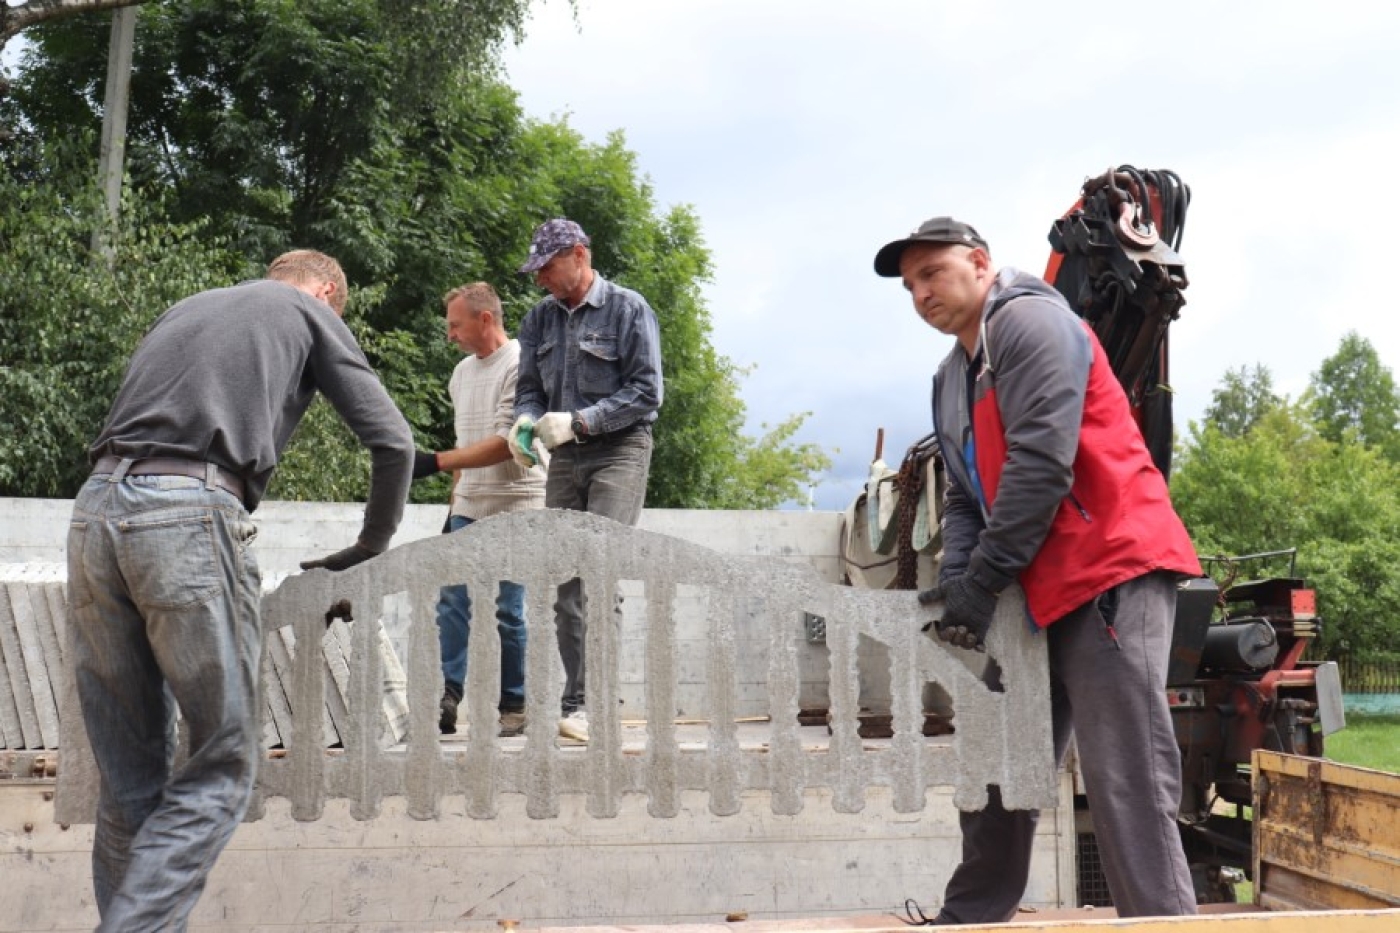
[[479, 296], [308, 266]]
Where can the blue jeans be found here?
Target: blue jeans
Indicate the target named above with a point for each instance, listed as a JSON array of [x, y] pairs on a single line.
[[454, 619], [163, 598], [606, 477]]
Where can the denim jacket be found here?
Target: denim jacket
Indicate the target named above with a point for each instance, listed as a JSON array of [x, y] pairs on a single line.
[[602, 360]]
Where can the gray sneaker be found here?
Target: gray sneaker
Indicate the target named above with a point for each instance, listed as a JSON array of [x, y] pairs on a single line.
[[575, 726], [512, 723]]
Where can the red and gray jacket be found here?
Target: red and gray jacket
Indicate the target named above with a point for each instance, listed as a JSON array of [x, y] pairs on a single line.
[[1052, 484]]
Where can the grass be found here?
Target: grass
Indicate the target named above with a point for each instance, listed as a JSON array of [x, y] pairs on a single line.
[[1367, 741]]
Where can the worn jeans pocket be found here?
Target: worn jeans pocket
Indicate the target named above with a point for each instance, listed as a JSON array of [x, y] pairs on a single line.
[[172, 561]]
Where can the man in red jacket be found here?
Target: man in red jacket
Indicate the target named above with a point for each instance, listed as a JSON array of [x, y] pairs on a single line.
[[1052, 487]]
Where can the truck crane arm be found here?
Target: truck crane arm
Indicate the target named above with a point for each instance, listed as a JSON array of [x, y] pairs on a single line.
[[1115, 261]]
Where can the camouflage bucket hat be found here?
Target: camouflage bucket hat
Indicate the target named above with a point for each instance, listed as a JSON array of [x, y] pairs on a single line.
[[551, 238]]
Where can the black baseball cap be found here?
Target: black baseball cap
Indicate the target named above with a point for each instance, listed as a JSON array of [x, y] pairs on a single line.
[[937, 230]]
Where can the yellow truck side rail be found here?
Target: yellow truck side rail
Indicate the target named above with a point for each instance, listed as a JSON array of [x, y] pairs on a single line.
[[1326, 835]]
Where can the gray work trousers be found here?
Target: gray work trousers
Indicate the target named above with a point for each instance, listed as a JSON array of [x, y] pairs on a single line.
[[1111, 696], [608, 477]]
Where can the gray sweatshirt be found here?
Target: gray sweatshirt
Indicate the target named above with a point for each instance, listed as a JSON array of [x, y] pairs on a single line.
[[226, 375]]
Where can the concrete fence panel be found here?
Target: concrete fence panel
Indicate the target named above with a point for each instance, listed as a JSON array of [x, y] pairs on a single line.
[[1002, 737]]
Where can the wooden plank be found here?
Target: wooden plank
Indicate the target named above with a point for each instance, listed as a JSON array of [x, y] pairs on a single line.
[[49, 609], [395, 700], [279, 659], [29, 733], [278, 729], [281, 645], [336, 648], [11, 735], [52, 595], [1326, 835], [56, 595], [28, 624]]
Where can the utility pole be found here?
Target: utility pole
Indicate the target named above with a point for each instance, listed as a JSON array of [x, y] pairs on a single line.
[[112, 156]]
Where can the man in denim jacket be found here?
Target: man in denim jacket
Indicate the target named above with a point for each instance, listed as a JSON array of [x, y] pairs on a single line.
[[589, 386]]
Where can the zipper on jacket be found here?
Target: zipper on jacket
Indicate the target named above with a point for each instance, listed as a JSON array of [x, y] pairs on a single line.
[[1083, 513], [969, 438]]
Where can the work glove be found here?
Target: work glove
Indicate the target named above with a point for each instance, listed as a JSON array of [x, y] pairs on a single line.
[[520, 440], [425, 463], [969, 602], [356, 553], [555, 428]]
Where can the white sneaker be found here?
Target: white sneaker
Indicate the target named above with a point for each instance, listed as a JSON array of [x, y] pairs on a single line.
[[575, 726]]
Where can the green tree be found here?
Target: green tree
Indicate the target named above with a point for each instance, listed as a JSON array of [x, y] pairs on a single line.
[[377, 131], [1354, 393], [69, 323], [1241, 494], [255, 113], [1284, 485], [1242, 400]]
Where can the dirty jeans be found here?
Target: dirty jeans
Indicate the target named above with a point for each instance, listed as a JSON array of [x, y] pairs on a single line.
[[454, 619], [606, 477], [1111, 695], [163, 601]]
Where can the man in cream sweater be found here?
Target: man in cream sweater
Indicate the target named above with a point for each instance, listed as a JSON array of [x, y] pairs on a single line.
[[486, 481]]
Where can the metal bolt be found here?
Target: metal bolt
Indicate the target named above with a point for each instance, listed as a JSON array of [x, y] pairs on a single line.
[[29, 827]]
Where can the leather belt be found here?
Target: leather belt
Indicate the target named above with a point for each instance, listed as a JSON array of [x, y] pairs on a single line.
[[612, 436], [174, 466]]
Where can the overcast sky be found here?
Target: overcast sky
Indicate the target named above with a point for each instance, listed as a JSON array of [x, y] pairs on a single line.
[[807, 134]]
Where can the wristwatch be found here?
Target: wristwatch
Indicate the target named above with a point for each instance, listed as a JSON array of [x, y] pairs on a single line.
[[578, 426]]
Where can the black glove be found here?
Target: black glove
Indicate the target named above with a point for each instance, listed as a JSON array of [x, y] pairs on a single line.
[[356, 553], [425, 463], [968, 607]]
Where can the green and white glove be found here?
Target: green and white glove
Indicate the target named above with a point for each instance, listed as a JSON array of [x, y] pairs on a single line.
[[521, 440]]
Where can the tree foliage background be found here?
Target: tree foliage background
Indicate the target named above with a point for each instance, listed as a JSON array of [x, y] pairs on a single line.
[[379, 131], [1319, 474]]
